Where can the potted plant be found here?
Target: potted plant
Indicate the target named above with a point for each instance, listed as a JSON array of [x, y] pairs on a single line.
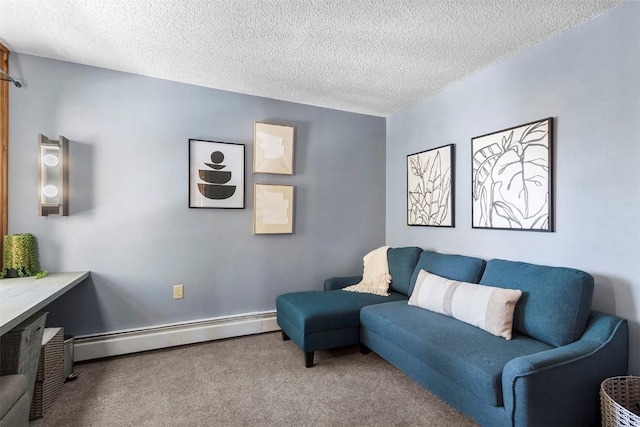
[[20, 257]]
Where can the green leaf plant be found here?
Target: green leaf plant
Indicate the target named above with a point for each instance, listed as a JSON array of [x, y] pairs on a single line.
[[20, 254]]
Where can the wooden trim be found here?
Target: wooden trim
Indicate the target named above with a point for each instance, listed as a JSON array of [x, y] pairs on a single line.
[[4, 147]]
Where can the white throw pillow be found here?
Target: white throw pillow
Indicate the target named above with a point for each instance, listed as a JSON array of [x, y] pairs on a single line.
[[485, 307]]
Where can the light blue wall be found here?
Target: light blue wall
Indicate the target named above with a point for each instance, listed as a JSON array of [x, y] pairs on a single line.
[[130, 223], [587, 79]]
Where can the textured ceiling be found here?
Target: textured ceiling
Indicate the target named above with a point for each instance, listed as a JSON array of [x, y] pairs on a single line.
[[368, 56]]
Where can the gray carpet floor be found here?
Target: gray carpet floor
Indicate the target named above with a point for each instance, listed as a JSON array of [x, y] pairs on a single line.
[[257, 380]]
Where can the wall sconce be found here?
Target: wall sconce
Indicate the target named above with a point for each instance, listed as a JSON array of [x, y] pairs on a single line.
[[53, 193]]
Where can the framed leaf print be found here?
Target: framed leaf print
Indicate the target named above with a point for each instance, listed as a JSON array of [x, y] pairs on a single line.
[[512, 178], [430, 187]]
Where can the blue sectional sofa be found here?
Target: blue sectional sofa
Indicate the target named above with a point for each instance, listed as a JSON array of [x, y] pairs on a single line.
[[548, 374]]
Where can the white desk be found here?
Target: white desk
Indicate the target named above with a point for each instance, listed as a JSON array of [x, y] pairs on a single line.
[[22, 297]]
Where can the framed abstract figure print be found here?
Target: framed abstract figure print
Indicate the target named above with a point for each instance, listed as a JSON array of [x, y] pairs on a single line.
[[216, 174]]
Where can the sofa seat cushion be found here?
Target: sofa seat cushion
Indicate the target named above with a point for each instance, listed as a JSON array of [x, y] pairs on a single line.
[[469, 357], [318, 311]]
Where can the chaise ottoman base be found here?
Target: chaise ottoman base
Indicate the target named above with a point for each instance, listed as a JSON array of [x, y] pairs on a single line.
[[322, 320]]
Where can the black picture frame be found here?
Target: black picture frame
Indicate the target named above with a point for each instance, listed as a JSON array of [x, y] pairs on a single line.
[[512, 178], [430, 187], [216, 174]]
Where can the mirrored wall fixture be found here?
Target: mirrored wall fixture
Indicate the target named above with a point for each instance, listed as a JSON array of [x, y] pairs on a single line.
[[53, 192]]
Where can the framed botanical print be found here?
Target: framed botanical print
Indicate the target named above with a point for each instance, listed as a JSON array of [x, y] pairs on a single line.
[[512, 178], [430, 187]]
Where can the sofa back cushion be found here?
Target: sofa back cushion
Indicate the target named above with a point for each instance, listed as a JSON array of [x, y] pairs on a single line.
[[402, 262], [555, 303], [454, 267]]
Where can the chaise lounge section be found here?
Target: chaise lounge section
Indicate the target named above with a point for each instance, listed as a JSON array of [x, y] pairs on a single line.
[[322, 320]]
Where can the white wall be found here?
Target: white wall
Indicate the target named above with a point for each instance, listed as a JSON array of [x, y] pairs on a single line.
[[588, 80], [129, 221]]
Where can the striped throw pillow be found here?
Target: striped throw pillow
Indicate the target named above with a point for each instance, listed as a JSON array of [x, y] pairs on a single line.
[[485, 307]]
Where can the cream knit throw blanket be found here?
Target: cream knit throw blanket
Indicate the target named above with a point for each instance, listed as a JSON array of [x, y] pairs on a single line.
[[375, 277]]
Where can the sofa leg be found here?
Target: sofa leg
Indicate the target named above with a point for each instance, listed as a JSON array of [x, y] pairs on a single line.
[[364, 349], [308, 359], [285, 337]]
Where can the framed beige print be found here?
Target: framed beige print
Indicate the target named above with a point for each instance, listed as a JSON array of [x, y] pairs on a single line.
[[272, 149], [273, 209]]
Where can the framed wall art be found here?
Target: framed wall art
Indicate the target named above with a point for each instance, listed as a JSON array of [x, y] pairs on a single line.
[[272, 149], [273, 209], [430, 187], [512, 178], [216, 174]]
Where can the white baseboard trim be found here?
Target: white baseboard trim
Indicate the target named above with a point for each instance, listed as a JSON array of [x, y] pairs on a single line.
[[90, 347]]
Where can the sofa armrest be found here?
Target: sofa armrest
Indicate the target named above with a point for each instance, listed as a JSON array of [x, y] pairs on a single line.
[[561, 386], [334, 283]]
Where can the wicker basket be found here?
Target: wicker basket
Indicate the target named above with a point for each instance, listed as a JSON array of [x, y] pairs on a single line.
[[20, 349], [620, 401], [50, 376]]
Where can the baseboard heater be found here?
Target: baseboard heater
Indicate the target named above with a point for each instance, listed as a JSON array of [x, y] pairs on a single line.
[[88, 347]]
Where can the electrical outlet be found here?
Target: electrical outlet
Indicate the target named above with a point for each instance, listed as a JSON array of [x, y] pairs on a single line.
[[178, 291]]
